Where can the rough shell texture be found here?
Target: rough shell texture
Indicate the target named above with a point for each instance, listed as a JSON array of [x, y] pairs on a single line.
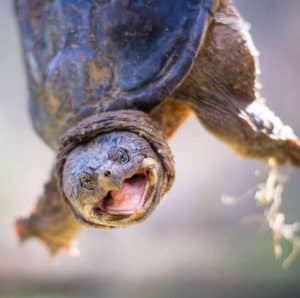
[[88, 56]]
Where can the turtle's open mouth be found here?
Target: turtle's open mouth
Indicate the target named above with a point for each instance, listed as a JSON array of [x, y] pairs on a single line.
[[131, 196]]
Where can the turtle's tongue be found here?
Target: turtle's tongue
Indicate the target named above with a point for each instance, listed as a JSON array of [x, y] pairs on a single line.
[[129, 197]]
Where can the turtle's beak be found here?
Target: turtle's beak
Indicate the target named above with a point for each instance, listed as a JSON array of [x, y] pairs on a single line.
[[108, 181]]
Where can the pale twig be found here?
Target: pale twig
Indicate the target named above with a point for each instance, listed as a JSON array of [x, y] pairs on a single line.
[[271, 194]]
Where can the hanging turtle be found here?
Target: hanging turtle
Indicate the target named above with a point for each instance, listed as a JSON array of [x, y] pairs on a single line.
[[110, 81]]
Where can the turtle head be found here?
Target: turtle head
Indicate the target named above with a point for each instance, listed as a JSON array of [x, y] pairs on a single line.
[[113, 180]]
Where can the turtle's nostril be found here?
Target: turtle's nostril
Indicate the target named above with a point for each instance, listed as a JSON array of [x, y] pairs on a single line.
[[107, 173]]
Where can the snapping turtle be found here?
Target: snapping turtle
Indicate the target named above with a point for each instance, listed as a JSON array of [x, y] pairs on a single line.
[[111, 80]]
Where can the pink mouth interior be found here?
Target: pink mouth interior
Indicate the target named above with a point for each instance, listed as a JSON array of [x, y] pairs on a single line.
[[129, 197]]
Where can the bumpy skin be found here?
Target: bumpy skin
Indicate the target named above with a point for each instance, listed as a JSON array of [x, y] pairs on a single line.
[[87, 58], [222, 91]]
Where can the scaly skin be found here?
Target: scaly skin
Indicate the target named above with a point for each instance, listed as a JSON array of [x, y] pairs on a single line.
[[222, 91]]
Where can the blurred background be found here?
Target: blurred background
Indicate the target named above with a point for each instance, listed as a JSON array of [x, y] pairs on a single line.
[[193, 245]]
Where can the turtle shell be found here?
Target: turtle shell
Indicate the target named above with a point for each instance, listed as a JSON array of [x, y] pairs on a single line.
[[89, 56]]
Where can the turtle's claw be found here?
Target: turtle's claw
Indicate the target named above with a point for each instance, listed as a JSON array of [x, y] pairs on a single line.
[[293, 151]]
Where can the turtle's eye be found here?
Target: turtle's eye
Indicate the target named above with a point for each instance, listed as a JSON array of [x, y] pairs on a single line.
[[119, 154], [87, 181]]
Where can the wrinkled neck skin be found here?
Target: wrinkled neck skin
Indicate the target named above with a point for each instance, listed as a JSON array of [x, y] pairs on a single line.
[[113, 180]]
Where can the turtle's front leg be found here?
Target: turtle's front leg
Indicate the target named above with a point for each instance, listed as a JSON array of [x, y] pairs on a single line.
[[222, 90], [51, 221]]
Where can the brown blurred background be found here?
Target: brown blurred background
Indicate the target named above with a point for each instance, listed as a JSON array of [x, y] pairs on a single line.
[[193, 246]]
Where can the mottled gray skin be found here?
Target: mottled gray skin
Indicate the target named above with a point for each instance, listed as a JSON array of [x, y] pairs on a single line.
[[163, 58], [100, 166], [85, 58]]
